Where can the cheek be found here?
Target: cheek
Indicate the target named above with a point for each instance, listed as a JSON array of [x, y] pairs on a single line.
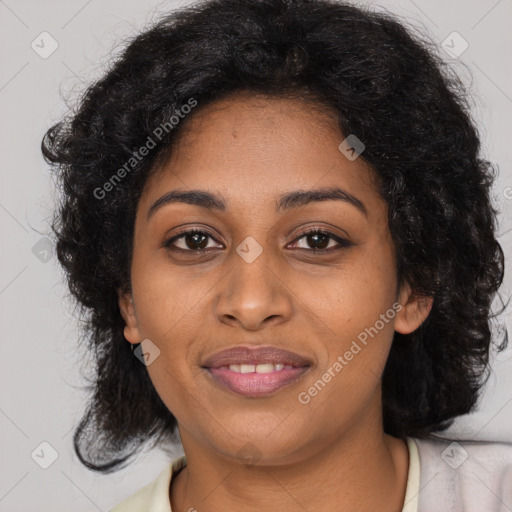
[[374, 279], [167, 301], [354, 294], [353, 315]]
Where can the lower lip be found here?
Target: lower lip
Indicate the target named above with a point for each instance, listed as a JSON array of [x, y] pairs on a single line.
[[256, 384]]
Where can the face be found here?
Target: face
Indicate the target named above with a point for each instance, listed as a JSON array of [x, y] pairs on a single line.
[[250, 274]]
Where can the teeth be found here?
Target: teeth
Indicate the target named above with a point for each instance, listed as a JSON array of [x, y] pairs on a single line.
[[258, 368], [265, 368]]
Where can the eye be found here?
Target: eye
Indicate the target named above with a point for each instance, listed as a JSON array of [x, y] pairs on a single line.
[[320, 240], [194, 240]]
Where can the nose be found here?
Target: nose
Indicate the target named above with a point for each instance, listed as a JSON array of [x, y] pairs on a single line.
[[253, 294]]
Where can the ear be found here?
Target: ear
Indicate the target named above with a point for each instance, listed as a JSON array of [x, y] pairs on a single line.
[[415, 310], [127, 308]]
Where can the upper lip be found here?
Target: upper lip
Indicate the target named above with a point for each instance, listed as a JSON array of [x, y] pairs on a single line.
[[255, 355]]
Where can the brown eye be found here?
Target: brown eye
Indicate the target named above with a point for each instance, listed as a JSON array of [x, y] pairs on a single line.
[[194, 240], [191, 240], [318, 240]]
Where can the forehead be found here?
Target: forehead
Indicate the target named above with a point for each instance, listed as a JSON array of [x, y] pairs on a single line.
[[255, 148]]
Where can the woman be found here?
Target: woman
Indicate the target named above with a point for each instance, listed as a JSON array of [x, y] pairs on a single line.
[[277, 221]]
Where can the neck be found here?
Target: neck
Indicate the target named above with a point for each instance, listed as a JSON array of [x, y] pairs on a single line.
[[362, 470]]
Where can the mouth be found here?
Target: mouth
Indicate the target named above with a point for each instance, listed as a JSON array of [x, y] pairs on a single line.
[[256, 372]]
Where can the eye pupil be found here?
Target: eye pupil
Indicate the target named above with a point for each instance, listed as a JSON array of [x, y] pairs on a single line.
[[195, 237], [323, 237]]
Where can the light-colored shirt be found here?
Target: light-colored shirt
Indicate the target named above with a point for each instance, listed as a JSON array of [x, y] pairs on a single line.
[[461, 476]]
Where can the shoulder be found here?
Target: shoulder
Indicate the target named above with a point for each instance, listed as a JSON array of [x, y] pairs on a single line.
[[464, 476], [153, 497]]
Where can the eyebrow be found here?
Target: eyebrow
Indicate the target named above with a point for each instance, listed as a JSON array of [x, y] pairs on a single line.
[[213, 201]]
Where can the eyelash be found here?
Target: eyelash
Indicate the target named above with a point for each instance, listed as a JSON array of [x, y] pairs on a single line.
[[342, 243]]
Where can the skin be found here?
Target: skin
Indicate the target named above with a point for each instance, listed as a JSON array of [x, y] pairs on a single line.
[[332, 452]]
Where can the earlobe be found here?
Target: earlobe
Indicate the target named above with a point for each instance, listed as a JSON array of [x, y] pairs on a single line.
[[127, 309], [415, 310]]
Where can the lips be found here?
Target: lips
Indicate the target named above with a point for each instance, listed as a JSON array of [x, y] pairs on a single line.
[[256, 372], [255, 355]]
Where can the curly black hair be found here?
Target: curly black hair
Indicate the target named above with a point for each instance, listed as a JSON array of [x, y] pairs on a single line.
[[385, 84]]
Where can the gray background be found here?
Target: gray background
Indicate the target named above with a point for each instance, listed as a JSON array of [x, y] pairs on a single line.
[[41, 395]]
